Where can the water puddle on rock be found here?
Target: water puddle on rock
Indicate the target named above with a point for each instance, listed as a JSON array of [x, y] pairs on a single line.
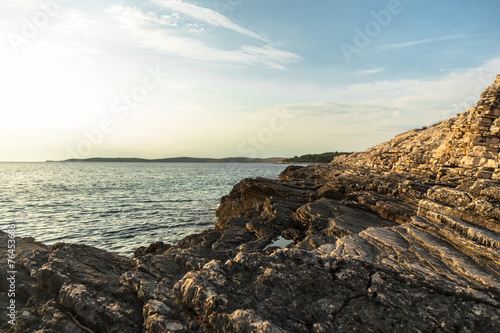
[[280, 242]]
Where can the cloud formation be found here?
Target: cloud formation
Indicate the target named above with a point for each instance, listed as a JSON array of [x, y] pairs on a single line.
[[422, 41], [208, 16], [134, 15], [158, 32], [368, 71], [341, 111]]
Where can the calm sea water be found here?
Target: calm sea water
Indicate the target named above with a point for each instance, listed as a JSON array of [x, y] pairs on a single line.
[[117, 206]]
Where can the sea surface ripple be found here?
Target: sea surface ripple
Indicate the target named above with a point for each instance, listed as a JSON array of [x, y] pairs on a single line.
[[117, 206]]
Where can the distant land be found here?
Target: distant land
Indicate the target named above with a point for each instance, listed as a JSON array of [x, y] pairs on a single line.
[[308, 158], [177, 160]]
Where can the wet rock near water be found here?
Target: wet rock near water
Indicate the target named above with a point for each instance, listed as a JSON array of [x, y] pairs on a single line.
[[404, 237]]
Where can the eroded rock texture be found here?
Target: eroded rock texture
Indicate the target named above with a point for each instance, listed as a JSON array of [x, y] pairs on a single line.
[[402, 238]]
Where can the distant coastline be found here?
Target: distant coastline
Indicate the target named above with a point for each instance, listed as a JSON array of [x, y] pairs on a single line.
[[175, 160], [308, 158]]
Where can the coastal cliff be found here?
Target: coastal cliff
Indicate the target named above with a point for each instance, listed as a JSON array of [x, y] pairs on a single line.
[[404, 237]]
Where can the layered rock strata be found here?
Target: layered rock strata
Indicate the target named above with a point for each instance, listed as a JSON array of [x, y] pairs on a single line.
[[404, 237]]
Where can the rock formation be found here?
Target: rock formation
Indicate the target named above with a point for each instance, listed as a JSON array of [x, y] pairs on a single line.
[[404, 237]]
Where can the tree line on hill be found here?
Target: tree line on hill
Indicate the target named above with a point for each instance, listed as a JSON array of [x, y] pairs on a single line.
[[315, 158]]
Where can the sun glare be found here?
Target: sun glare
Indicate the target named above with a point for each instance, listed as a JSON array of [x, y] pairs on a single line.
[[42, 92]]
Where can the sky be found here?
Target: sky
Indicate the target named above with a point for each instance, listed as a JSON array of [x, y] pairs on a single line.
[[221, 78]]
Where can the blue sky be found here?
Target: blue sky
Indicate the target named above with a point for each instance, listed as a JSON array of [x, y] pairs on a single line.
[[219, 78]]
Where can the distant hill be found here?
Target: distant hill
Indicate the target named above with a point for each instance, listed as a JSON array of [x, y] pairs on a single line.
[[314, 158], [177, 160]]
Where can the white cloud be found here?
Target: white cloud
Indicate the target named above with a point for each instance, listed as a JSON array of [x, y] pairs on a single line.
[[340, 111], [458, 85], [422, 41], [148, 34], [382, 109], [130, 16], [267, 55], [24, 4], [368, 71], [194, 28], [208, 16], [436, 39]]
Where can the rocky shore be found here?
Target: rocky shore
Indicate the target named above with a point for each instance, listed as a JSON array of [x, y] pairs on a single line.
[[404, 237]]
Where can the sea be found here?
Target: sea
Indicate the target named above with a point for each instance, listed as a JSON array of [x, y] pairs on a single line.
[[117, 207]]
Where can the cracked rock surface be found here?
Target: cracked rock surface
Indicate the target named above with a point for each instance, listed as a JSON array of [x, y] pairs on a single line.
[[404, 237]]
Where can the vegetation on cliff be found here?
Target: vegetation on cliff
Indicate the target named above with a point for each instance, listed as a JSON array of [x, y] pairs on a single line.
[[315, 158]]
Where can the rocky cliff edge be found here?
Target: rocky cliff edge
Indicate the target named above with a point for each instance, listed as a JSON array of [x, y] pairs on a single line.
[[404, 237]]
